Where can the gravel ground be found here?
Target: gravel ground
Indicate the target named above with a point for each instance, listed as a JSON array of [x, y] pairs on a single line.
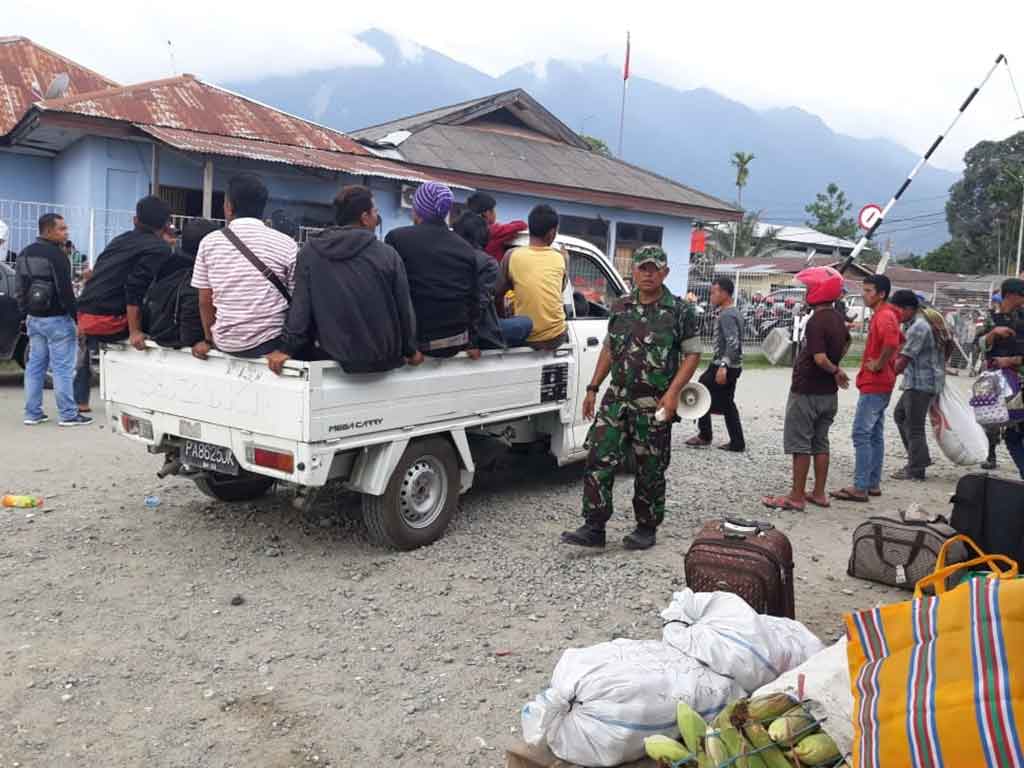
[[207, 634]]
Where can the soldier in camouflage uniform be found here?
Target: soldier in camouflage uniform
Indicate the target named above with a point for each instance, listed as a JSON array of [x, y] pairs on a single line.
[[651, 351]]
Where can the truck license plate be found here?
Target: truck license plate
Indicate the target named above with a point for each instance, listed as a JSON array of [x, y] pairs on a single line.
[[211, 457]]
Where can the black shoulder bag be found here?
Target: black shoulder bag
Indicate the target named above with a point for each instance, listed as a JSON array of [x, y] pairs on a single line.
[[264, 270], [40, 292]]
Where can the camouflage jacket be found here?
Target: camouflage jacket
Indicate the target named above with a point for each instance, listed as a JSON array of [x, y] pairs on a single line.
[[647, 341]]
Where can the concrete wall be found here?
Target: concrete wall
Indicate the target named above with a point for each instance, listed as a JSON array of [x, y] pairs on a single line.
[[26, 177]]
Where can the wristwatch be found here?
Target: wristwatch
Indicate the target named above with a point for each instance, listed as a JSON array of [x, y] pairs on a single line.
[[593, 388]]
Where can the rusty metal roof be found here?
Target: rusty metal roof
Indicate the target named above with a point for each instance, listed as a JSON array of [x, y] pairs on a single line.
[[513, 139], [187, 103], [264, 151], [26, 71]]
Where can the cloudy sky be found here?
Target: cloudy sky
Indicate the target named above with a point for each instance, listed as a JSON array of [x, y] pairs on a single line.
[[893, 69]]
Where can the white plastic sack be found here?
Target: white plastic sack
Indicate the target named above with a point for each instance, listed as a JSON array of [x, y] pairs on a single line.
[[827, 691], [961, 438], [606, 699], [720, 630]]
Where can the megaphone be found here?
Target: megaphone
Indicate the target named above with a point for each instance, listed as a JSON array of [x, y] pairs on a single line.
[[694, 401]]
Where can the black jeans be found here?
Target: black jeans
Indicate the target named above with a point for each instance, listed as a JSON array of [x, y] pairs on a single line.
[[87, 347], [263, 349], [911, 414], [723, 401]]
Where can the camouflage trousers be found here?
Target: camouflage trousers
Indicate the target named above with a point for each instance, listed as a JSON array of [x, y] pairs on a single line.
[[621, 426]]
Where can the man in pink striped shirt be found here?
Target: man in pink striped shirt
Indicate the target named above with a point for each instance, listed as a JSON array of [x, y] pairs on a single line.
[[244, 302]]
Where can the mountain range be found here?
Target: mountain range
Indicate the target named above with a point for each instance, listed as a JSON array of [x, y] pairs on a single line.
[[688, 135]]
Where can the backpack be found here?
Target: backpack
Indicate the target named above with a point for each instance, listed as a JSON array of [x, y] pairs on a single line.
[[170, 311], [941, 332]]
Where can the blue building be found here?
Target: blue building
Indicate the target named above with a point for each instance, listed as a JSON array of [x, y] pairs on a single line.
[[77, 143]]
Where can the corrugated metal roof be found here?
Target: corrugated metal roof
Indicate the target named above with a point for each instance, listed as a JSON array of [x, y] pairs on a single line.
[[26, 71], [190, 104], [264, 151], [493, 153]]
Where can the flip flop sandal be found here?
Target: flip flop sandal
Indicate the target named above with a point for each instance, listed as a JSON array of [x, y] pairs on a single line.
[[818, 503], [845, 495], [781, 502], [874, 492]]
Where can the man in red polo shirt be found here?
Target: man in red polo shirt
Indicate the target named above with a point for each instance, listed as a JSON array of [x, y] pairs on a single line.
[[876, 381]]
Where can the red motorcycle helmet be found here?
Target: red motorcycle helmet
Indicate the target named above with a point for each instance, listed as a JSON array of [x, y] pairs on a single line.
[[824, 284]]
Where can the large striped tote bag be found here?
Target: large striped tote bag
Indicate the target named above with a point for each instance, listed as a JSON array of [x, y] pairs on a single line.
[[938, 682]]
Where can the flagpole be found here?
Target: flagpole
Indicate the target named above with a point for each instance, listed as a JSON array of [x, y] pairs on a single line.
[[622, 112]]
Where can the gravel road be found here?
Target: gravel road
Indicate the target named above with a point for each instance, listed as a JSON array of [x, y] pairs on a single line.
[[207, 634]]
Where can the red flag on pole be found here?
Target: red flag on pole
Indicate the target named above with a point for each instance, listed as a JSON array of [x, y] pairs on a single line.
[[625, 71]]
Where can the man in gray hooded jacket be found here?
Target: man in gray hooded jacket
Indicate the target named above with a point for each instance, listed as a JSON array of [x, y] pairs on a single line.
[[351, 302]]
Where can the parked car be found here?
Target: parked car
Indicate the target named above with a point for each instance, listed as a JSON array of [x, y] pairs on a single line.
[[13, 339]]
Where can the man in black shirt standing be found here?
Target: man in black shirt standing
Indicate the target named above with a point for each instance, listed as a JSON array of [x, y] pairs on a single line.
[[46, 295]]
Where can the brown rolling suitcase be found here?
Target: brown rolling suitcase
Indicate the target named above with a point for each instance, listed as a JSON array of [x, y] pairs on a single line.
[[748, 558]]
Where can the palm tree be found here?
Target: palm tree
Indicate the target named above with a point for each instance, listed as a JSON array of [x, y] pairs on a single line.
[[745, 236], [741, 162]]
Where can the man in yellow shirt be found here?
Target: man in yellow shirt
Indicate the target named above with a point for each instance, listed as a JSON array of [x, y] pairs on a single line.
[[537, 274]]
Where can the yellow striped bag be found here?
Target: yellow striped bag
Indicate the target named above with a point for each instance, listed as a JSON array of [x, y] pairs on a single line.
[[938, 682]]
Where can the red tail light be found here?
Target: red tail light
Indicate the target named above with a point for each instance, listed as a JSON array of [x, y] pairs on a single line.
[[282, 461]]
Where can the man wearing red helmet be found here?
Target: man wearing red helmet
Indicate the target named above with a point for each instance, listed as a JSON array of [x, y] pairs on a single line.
[[814, 393]]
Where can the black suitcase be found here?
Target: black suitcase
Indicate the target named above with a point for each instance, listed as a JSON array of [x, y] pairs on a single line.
[[991, 511]]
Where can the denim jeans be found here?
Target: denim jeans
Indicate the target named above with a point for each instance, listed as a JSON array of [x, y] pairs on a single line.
[[515, 330], [869, 440], [54, 346]]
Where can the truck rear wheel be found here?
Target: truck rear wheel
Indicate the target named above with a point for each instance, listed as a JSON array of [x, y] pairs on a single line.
[[245, 487], [420, 498]]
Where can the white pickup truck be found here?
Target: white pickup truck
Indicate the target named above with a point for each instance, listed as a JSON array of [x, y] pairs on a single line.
[[407, 440]]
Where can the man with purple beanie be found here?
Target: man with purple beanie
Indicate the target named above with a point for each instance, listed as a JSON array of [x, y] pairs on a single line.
[[442, 272]]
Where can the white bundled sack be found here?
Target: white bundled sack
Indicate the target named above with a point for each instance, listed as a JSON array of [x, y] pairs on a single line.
[[606, 699], [826, 690], [720, 630], [961, 438]]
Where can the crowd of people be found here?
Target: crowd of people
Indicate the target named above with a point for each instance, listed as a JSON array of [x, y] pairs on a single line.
[[428, 289], [248, 290]]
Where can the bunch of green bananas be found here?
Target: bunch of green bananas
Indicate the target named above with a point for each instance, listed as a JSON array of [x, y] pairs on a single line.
[[748, 733]]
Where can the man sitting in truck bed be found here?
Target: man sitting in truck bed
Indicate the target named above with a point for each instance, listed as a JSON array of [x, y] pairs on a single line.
[[352, 290], [537, 276], [245, 274], [442, 276]]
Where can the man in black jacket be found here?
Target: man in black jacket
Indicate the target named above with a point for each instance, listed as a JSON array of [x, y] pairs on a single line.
[[45, 294], [110, 305], [352, 294], [442, 276]]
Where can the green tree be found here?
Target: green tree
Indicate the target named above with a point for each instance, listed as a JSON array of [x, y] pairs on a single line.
[[951, 256], [983, 210], [600, 146], [830, 213], [751, 239], [741, 162]]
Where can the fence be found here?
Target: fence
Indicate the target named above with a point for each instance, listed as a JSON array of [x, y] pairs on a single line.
[[766, 299]]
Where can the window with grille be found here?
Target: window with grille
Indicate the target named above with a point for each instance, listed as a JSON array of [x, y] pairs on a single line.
[[593, 290]]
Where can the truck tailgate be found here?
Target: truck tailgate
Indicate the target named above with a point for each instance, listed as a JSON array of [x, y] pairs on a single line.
[[241, 394]]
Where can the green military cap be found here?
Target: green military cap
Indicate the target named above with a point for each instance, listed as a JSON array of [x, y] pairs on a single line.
[[650, 253]]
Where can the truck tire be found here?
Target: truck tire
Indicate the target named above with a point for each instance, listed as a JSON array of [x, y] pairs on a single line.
[[420, 498], [245, 487]]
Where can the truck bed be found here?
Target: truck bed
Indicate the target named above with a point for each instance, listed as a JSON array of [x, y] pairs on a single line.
[[316, 402]]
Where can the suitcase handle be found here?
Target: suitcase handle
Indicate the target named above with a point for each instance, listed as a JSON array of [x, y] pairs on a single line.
[[744, 523], [937, 580]]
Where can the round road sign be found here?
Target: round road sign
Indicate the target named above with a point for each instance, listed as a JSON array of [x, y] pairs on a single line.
[[868, 215]]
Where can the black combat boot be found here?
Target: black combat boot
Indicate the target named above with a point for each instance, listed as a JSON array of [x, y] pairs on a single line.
[[642, 538], [586, 535]]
